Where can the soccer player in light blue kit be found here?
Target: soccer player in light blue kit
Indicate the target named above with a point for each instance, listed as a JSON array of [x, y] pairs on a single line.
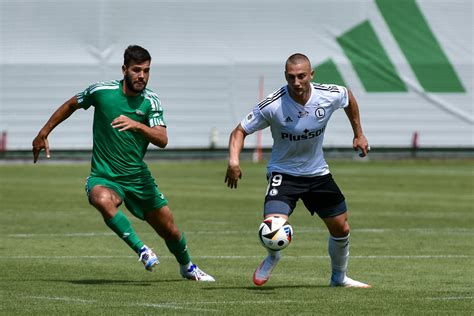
[[298, 114]]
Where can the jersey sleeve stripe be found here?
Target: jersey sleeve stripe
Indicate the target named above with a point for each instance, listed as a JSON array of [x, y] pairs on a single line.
[[104, 84], [154, 100], [104, 88], [155, 103], [272, 98], [325, 87], [157, 121]]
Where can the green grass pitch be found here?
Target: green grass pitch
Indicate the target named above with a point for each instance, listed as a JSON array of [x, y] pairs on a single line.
[[412, 234]]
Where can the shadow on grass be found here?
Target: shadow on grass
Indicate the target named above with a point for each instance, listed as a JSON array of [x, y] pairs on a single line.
[[264, 289], [208, 287], [115, 282]]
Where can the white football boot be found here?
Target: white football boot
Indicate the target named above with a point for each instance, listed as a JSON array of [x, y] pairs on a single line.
[[348, 282], [148, 258], [195, 274]]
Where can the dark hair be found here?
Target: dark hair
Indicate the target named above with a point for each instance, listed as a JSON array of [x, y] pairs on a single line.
[[136, 54], [296, 59]]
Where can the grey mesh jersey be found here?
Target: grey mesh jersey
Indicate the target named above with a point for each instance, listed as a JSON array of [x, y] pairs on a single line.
[[297, 131]]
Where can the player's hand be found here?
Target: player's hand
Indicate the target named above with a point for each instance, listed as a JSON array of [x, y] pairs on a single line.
[[361, 144], [232, 176], [124, 123], [40, 143]]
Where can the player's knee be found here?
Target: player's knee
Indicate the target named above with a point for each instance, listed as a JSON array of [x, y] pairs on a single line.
[[99, 200], [345, 230], [338, 231], [338, 226], [103, 198]]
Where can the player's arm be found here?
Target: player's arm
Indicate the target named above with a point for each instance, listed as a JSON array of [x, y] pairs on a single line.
[[352, 111], [157, 135], [63, 112], [236, 144]]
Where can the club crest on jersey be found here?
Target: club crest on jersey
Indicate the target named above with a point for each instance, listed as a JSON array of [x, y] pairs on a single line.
[[320, 112]]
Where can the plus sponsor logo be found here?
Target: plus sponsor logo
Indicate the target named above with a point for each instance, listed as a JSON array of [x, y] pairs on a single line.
[[308, 134]]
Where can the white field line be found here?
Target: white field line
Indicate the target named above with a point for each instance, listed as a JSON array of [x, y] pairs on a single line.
[[169, 305], [244, 257], [60, 235], [66, 299], [184, 305], [177, 305], [299, 231], [451, 298]]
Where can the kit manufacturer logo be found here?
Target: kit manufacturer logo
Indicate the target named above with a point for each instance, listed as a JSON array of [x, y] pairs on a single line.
[[373, 65]]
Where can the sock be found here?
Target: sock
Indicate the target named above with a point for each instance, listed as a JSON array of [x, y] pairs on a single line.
[[338, 249], [180, 250], [274, 254], [123, 228]]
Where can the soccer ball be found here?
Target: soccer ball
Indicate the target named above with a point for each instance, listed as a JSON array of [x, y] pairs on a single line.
[[275, 233]]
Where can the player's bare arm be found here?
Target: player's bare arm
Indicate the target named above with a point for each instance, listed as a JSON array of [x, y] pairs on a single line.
[[157, 135], [360, 141], [236, 144], [41, 140]]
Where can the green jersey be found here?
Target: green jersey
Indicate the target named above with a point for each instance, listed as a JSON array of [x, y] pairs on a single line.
[[117, 155]]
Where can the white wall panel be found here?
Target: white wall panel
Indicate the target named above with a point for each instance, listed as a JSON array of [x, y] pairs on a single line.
[[208, 56]]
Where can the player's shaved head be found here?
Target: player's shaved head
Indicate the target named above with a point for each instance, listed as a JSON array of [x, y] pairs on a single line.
[[297, 58]]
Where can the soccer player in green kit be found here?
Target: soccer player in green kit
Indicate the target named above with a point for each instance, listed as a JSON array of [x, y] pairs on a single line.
[[127, 118]]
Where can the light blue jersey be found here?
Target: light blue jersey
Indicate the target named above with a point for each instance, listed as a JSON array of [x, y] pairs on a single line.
[[297, 131]]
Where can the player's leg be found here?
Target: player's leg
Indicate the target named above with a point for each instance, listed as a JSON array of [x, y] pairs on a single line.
[[279, 201], [327, 200], [146, 202], [338, 249], [265, 268], [338, 246], [163, 223], [107, 200]]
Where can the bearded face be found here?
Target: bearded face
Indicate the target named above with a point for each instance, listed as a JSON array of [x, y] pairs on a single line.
[[136, 77]]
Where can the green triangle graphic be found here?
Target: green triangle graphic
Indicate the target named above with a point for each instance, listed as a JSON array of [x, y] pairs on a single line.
[[369, 59], [327, 72], [419, 45]]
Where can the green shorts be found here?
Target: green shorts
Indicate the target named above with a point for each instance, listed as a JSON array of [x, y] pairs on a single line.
[[140, 194]]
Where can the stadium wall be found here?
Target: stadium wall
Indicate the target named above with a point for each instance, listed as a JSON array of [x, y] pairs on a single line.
[[408, 62]]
